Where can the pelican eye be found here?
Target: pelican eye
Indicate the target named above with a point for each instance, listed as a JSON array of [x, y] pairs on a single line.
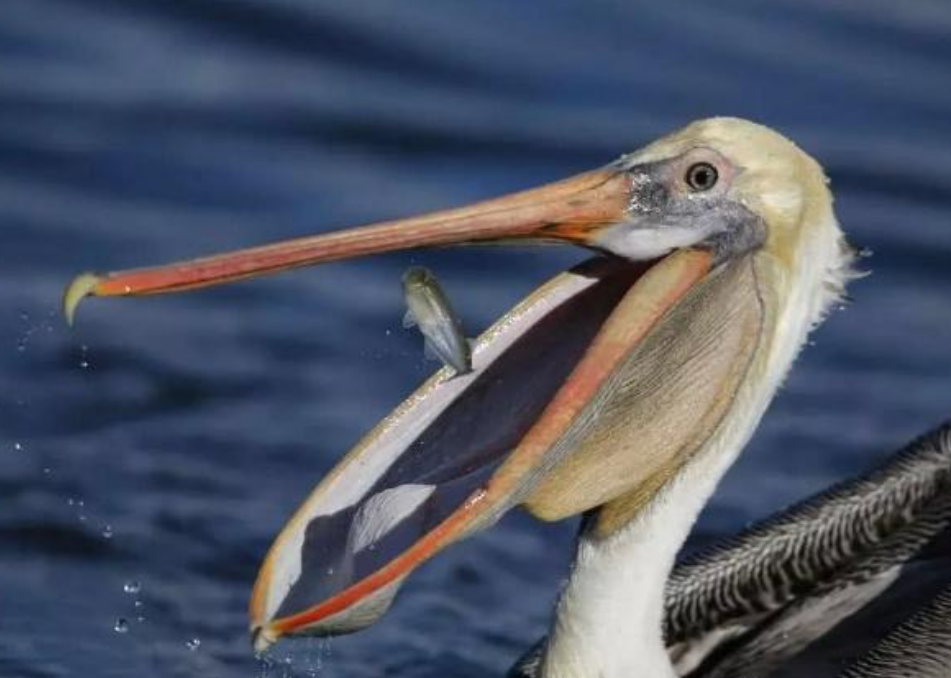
[[701, 176]]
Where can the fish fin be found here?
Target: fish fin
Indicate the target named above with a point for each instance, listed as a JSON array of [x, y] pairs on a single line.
[[409, 320], [430, 351]]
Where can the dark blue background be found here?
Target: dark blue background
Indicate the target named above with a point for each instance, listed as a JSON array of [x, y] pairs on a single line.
[[166, 440]]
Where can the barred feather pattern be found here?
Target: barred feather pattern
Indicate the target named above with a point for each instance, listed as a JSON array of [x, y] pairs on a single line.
[[876, 521], [920, 647]]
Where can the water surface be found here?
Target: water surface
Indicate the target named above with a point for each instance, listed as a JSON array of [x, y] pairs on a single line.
[[164, 441]]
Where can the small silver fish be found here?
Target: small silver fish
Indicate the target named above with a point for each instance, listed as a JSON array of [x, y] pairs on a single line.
[[428, 307]]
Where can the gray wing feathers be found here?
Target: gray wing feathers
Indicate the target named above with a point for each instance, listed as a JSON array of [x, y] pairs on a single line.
[[842, 536], [919, 647]]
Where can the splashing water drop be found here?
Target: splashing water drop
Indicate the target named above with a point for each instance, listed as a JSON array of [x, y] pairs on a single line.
[[121, 625], [132, 587], [193, 644], [79, 505]]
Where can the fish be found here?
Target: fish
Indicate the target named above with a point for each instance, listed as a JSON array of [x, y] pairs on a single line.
[[428, 307]]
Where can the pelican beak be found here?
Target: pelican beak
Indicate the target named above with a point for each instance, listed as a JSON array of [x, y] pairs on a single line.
[[536, 422], [569, 211]]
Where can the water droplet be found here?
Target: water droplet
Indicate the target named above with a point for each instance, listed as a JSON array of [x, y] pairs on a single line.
[[107, 531], [193, 644], [132, 586], [18, 447], [139, 604], [70, 501], [47, 470], [121, 625], [84, 364]]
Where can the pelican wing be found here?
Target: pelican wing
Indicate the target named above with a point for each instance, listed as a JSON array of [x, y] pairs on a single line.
[[919, 647], [781, 585]]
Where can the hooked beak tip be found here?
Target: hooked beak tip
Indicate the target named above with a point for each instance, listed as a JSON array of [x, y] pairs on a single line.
[[82, 286], [262, 637]]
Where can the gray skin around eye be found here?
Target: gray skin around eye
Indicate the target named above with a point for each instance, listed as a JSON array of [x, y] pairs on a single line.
[[661, 218]]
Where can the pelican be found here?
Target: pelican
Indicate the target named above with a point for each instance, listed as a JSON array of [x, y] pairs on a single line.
[[621, 390]]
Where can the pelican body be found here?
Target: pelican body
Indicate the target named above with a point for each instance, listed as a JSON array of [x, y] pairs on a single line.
[[622, 389]]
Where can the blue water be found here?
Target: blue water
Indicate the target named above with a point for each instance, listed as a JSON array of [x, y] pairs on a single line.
[[164, 441]]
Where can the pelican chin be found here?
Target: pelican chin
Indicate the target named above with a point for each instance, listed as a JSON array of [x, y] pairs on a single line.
[[622, 389]]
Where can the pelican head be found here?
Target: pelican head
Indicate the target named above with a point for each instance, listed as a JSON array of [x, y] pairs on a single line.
[[600, 393]]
